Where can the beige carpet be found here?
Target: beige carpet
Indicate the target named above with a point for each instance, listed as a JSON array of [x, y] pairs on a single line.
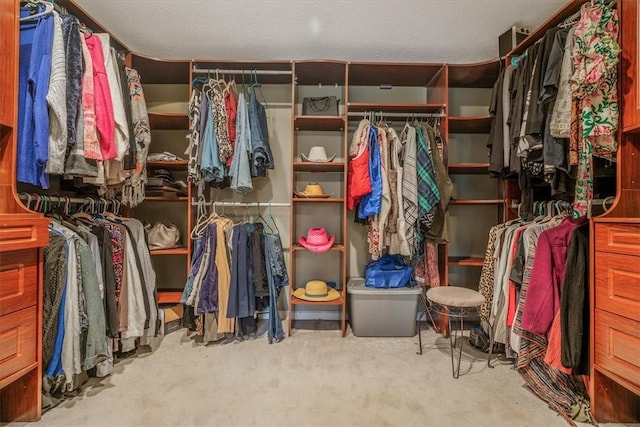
[[313, 378]]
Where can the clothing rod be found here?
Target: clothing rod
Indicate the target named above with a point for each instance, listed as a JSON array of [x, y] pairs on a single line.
[[245, 204], [361, 114], [34, 197], [248, 72]]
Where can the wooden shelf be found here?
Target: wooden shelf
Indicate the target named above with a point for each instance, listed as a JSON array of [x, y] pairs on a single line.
[[171, 165], [483, 74], [298, 247], [298, 301], [166, 199], [169, 296], [316, 72], [477, 124], [171, 251], [392, 73], [319, 123], [317, 200], [469, 168], [466, 261], [394, 108], [169, 121], [476, 202], [318, 167]]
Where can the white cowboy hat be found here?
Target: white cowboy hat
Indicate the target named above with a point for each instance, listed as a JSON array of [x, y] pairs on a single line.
[[317, 155]]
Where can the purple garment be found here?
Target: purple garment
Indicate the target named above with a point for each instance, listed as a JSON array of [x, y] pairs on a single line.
[[36, 43], [208, 301]]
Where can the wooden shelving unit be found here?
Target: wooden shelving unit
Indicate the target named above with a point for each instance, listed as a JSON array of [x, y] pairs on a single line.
[[477, 202], [466, 261], [358, 107], [167, 112], [307, 75], [469, 168], [477, 124]]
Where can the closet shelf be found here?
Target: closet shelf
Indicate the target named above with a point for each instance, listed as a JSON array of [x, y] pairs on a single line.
[[356, 107], [319, 123], [466, 261], [476, 202], [476, 124], [169, 296], [169, 121], [468, 168], [317, 200], [5, 124], [166, 199], [480, 75], [170, 251], [173, 165], [318, 167], [298, 247], [298, 301]]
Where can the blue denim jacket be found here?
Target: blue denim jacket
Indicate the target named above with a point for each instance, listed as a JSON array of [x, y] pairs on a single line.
[[240, 164], [262, 157], [211, 167]]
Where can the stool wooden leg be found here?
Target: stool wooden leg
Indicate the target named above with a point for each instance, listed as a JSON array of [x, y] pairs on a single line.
[[491, 338]]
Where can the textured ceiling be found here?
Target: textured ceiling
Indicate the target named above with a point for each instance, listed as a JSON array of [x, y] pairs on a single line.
[[453, 31]]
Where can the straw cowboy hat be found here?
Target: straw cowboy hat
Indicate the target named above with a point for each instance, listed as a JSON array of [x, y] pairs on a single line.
[[316, 290], [312, 190], [317, 240], [317, 154]]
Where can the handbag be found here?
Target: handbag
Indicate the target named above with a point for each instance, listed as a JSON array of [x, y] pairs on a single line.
[[388, 271], [162, 236], [321, 106]]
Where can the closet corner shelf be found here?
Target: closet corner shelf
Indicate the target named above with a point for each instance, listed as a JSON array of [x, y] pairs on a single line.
[[298, 247], [169, 121], [298, 301], [166, 199], [168, 296], [173, 165], [5, 124], [317, 200], [318, 167], [170, 251], [319, 123], [357, 107], [469, 168], [466, 261], [476, 202], [475, 124]]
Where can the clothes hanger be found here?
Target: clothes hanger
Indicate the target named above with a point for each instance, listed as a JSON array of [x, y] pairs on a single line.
[[48, 9], [272, 221]]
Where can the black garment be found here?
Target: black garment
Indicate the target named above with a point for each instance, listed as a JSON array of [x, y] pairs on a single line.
[[74, 69], [130, 158], [551, 77], [495, 144], [517, 271], [109, 280], [574, 304], [55, 266], [241, 290], [260, 284]]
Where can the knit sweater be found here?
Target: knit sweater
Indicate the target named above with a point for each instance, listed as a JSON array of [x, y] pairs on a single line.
[[57, 101]]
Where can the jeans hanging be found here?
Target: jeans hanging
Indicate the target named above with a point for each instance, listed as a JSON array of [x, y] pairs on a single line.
[[277, 278]]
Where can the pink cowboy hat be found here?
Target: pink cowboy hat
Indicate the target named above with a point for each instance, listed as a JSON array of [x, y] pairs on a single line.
[[317, 240]]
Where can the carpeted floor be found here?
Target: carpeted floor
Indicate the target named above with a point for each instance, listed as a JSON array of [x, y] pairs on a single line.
[[313, 378]]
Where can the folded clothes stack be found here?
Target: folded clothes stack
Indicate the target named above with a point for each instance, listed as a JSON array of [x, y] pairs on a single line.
[[162, 184]]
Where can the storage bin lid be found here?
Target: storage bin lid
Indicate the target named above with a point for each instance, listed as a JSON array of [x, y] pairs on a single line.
[[356, 286]]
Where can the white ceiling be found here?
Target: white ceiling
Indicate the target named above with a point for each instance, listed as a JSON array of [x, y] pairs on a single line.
[[452, 31]]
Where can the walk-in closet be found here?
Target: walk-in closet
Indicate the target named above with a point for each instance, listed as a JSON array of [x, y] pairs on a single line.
[[323, 213]]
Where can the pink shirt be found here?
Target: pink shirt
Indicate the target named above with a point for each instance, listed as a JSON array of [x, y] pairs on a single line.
[[104, 105]]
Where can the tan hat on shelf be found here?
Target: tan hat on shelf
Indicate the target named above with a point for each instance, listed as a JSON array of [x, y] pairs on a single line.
[[317, 154], [312, 190], [316, 290]]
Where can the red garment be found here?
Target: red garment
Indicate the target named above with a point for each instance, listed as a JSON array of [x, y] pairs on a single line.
[[543, 294], [512, 300], [554, 347], [231, 106], [358, 180], [105, 122]]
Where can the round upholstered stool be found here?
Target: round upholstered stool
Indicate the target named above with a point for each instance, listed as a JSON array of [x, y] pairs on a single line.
[[457, 303]]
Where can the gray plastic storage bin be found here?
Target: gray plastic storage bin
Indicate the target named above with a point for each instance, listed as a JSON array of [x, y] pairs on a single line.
[[382, 312]]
